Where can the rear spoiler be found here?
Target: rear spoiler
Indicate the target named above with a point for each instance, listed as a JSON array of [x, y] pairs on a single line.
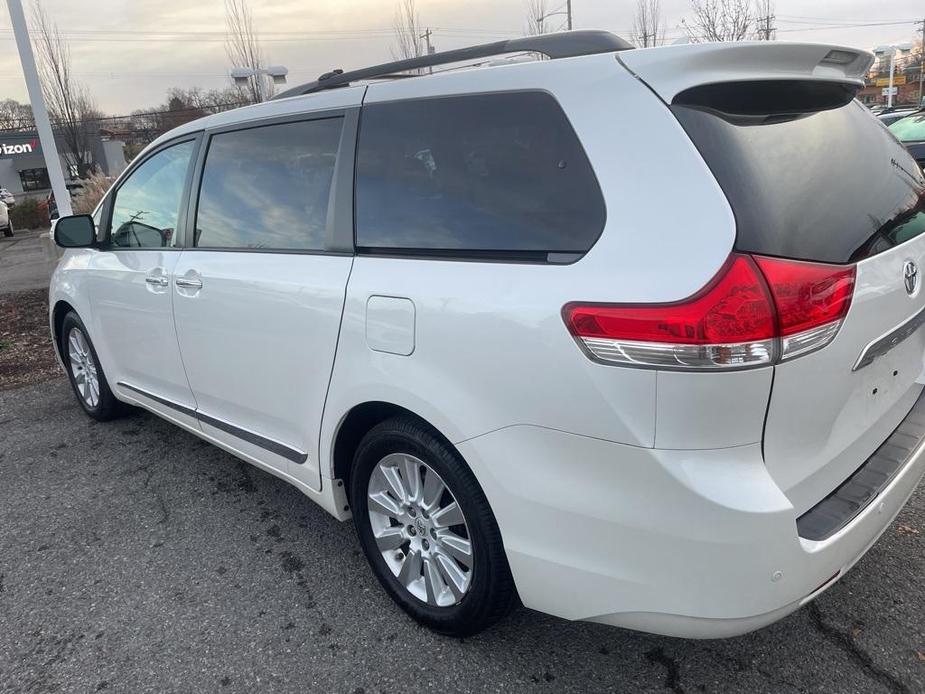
[[670, 70]]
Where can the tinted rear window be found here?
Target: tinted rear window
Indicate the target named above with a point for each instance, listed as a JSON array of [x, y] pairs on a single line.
[[832, 186], [490, 173]]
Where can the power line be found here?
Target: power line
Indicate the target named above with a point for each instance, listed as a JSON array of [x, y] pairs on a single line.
[[850, 26], [214, 36]]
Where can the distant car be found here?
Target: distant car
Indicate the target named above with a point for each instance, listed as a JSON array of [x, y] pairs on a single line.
[[911, 132], [6, 197], [890, 116], [6, 225]]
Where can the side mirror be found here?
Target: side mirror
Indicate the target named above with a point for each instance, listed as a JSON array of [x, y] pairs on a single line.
[[76, 231]]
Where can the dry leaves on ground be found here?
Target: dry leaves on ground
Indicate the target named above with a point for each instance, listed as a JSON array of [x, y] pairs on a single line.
[[26, 353]]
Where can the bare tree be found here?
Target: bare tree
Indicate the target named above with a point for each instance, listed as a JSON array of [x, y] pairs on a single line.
[[648, 23], [69, 103], [764, 20], [720, 20], [15, 116], [536, 17], [407, 28], [242, 45]]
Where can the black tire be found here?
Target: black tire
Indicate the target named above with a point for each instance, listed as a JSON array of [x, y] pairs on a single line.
[[8, 230], [107, 407], [491, 591]]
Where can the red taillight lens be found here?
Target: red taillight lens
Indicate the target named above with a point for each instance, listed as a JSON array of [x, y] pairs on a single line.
[[734, 307], [807, 295], [753, 311]]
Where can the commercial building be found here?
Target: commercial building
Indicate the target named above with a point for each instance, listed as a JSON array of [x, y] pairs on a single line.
[[907, 74], [22, 162]]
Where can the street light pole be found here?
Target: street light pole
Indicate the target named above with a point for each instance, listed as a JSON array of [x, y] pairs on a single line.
[[568, 11], [889, 95], [39, 111], [241, 75]]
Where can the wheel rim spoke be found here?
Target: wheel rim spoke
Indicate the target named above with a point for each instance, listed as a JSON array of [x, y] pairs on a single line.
[[410, 568], [420, 530], [380, 502], [433, 490], [393, 480], [391, 538], [433, 582], [73, 345], [448, 515], [411, 474], [457, 547], [456, 580]]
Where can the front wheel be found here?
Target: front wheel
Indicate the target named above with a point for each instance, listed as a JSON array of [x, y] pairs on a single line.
[[84, 371], [427, 529]]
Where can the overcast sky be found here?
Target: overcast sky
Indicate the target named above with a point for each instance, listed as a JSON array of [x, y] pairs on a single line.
[[129, 52]]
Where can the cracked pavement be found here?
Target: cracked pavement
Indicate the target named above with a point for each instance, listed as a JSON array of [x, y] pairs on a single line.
[[136, 558]]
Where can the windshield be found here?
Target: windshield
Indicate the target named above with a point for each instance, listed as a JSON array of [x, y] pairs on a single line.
[[911, 129]]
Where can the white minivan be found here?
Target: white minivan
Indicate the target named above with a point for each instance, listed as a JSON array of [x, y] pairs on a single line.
[[631, 336]]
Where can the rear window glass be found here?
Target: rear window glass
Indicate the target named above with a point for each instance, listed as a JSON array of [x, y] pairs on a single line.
[[831, 186], [489, 173]]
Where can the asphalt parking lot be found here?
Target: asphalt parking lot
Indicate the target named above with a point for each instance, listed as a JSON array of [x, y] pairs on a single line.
[[27, 260], [135, 558]]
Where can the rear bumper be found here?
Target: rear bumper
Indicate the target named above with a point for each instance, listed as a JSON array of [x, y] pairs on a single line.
[[699, 544]]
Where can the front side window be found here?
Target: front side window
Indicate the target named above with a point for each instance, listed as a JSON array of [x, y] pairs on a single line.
[[146, 208], [268, 187], [489, 173]]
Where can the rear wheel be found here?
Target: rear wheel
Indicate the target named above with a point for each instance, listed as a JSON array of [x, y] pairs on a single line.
[[8, 230], [427, 530], [84, 371]]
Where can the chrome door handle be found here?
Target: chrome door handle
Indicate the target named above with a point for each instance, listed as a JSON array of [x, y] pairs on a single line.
[[157, 281], [187, 283]]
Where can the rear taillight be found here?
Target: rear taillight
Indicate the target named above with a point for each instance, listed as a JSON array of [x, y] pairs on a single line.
[[811, 300], [755, 311]]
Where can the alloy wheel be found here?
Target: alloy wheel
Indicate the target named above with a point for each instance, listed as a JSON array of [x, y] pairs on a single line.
[[83, 368], [420, 530]]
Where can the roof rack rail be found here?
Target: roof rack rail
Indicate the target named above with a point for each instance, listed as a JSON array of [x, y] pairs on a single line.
[[564, 44]]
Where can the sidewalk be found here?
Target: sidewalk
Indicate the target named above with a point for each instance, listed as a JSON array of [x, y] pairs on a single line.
[[26, 260]]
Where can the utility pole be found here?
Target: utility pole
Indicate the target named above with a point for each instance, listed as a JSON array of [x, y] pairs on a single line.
[[568, 12], [765, 27], [921, 61], [430, 49], [39, 111]]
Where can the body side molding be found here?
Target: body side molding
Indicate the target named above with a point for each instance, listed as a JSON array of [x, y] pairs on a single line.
[[280, 449]]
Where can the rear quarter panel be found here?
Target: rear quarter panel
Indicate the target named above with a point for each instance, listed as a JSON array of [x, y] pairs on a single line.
[[491, 349]]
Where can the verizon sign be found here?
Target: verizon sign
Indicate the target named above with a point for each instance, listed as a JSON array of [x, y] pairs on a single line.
[[21, 148]]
